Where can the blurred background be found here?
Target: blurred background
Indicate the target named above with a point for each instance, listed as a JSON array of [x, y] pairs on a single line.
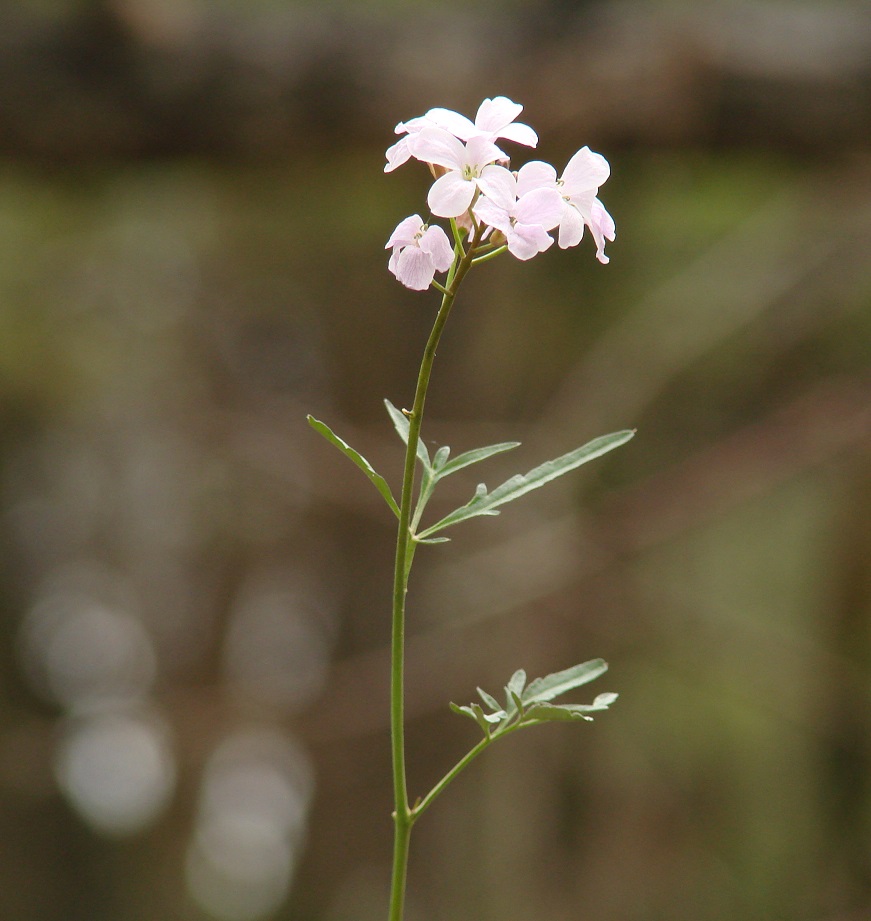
[[195, 587]]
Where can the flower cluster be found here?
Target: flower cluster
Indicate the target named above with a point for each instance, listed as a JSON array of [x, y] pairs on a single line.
[[477, 191]]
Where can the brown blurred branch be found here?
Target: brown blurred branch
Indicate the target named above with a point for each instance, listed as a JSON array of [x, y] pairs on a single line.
[[124, 79]]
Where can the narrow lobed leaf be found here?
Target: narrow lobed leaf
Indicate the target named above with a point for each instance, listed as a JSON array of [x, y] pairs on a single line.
[[517, 682], [558, 683], [475, 456], [540, 713], [547, 711], [483, 503], [603, 701], [490, 701], [514, 687], [377, 480]]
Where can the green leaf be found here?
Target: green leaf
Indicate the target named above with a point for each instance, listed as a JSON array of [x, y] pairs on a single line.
[[474, 711], [603, 701], [484, 503], [542, 712], [400, 423], [440, 458], [551, 686], [491, 702], [378, 481], [513, 689], [475, 456], [516, 682]]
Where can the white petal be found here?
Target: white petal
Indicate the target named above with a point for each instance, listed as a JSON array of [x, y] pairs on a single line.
[[405, 231], [602, 227], [527, 240], [458, 125], [494, 114], [499, 185], [535, 175], [492, 215], [540, 206], [520, 134], [571, 228], [450, 195], [397, 154], [586, 171], [604, 220], [480, 152], [414, 268], [435, 145], [435, 242]]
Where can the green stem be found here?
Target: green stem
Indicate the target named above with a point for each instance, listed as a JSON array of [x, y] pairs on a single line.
[[403, 817], [464, 762], [460, 766]]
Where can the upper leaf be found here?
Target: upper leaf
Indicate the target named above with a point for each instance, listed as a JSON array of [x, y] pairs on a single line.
[[484, 503], [379, 482]]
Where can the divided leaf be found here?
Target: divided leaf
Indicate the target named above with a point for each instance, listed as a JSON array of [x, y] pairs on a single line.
[[484, 503], [528, 705], [377, 480]]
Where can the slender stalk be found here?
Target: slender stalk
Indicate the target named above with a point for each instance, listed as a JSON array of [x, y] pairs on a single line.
[[463, 763], [403, 816]]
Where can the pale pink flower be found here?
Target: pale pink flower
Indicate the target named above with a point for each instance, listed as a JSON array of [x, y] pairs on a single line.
[[494, 120], [602, 228], [452, 122], [452, 193], [524, 219], [578, 187], [419, 251]]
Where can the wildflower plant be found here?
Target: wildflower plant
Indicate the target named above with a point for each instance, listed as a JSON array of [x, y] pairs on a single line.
[[487, 210]]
